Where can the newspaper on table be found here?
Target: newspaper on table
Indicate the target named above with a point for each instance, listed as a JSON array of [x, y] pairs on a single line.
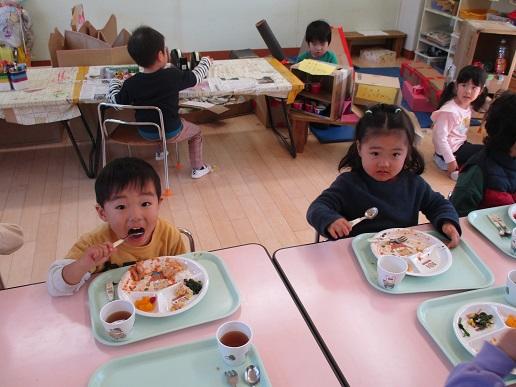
[[47, 98]]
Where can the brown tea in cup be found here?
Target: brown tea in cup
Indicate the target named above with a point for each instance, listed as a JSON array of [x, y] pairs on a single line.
[[118, 316], [234, 339]]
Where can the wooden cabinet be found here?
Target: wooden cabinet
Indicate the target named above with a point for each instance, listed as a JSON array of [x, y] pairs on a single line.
[[447, 19], [333, 91], [479, 42]]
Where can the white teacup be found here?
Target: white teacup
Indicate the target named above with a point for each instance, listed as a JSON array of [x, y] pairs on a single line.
[[118, 318], [510, 288], [234, 341], [391, 270]]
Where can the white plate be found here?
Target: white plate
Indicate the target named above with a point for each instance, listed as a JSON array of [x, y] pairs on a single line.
[[511, 211], [165, 296], [415, 246], [476, 340]]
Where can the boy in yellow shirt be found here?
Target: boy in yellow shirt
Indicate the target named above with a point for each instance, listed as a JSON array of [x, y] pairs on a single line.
[[128, 192]]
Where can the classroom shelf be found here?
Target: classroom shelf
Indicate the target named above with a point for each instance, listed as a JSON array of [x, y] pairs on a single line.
[[323, 97]]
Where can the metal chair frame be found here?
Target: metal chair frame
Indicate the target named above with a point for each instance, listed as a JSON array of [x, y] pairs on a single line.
[[189, 235], [160, 128]]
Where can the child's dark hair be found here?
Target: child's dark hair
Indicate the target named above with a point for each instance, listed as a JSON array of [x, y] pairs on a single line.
[[144, 45], [501, 123], [318, 31], [469, 73], [382, 119], [122, 173]]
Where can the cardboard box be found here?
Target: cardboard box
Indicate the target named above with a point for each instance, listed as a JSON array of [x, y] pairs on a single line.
[[408, 71], [372, 89], [89, 46], [378, 56], [435, 91], [417, 102], [260, 110], [334, 90], [201, 116]]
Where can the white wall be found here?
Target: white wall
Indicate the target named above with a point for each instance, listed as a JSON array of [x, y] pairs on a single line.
[[409, 19], [211, 25]]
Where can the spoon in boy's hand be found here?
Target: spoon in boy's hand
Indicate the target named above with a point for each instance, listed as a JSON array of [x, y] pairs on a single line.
[[369, 214], [132, 232]]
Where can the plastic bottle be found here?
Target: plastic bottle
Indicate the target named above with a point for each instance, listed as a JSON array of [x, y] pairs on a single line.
[[501, 58]]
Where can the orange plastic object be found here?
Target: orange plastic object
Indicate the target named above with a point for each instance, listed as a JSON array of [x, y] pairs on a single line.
[[167, 192], [475, 14]]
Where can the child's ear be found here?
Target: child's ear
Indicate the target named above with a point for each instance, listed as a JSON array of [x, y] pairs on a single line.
[[101, 212], [160, 199]]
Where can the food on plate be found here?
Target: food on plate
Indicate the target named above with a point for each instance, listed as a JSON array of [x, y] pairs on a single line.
[[183, 295], [480, 320], [465, 333], [145, 304], [194, 285], [402, 243], [155, 274], [511, 321]]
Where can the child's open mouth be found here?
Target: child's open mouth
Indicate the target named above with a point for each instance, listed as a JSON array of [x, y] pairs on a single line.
[[135, 233]]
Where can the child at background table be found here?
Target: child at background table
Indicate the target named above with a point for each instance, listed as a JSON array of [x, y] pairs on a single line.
[[160, 86], [489, 367], [128, 192], [488, 179], [452, 119], [318, 38], [384, 173]]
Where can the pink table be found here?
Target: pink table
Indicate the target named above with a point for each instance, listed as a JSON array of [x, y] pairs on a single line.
[[47, 341], [374, 338]]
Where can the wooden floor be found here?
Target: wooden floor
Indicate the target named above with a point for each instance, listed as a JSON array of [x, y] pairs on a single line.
[[257, 193]]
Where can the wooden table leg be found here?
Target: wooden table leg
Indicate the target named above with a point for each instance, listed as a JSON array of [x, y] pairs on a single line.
[[397, 45], [300, 133]]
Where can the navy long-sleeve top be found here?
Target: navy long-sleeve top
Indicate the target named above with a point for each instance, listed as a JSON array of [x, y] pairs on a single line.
[[398, 201]]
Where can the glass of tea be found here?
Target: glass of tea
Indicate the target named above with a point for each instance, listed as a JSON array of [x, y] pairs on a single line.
[[118, 318], [234, 341]]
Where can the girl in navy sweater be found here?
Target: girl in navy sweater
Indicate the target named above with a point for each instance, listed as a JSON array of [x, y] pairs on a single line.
[[383, 168]]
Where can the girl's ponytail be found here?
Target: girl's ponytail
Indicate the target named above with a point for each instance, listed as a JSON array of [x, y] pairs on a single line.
[[481, 99], [448, 93]]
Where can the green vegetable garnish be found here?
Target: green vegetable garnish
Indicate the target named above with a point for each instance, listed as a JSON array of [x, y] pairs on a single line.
[[194, 285], [465, 333]]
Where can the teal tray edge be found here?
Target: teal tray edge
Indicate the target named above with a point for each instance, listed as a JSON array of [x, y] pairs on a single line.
[[117, 273], [489, 276], [96, 380], [475, 219], [468, 298]]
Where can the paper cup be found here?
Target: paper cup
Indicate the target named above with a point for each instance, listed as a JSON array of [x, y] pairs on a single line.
[[316, 87], [309, 107], [298, 105], [510, 288], [118, 329], [391, 270], [234, 341]]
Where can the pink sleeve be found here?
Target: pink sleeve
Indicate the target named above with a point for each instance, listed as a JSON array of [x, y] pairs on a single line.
[[440, 132]]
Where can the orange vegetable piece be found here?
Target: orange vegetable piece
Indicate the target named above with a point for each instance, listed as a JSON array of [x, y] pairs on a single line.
[[511, 321], [145, 304]]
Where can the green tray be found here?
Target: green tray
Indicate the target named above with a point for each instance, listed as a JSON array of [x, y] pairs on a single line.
[[194, 364], [436, 316], [478, 219], [467, 271], [221, 300]]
